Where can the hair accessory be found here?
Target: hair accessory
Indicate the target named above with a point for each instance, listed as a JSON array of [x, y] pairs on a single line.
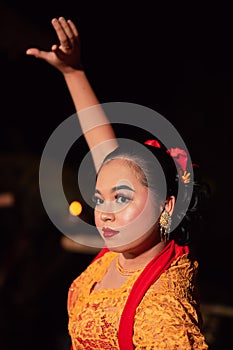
[[179, 156], [165, 226], [185, 177], [153, 143]]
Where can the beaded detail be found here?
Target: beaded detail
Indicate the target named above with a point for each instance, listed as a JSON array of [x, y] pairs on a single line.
[[125, 272]]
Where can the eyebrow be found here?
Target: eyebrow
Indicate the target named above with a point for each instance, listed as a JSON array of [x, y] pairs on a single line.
[[117, 188]]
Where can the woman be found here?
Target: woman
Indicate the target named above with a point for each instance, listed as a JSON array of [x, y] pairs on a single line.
[[140, 290]]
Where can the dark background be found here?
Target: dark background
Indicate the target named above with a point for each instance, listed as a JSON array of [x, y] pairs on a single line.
[[174, 59]]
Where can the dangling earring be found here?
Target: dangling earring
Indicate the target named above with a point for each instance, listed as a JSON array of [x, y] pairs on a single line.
[[165, 226]]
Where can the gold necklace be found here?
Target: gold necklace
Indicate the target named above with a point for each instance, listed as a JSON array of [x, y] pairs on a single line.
[[125, 272]]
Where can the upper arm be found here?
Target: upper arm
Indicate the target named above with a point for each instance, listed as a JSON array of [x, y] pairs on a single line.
[[163, 322], [72, 297]]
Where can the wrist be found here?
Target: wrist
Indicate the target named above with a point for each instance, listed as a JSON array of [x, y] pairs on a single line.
[[74, 73]]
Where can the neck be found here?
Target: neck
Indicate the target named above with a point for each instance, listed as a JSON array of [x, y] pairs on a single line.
[[136, 260]]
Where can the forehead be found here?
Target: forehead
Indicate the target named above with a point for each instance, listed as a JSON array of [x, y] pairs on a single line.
[[117, 171]]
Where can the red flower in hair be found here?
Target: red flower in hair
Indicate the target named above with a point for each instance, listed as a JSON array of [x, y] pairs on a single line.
[[180, 156], [153, 143]]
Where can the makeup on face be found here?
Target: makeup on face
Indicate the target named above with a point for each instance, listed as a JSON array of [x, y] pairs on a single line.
[[124, 208]]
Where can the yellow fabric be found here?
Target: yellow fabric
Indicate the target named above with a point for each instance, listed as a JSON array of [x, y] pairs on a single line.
[[166, 318]]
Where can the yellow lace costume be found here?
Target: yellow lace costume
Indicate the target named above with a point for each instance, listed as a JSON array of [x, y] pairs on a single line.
[[166, 318]]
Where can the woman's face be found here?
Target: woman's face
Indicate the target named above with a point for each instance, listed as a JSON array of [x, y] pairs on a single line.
[[126, 214]]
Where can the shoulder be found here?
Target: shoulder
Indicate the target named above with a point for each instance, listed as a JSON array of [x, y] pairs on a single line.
[[175, 292], [169, 311], [97, 265], [180, 278], [94, 272]]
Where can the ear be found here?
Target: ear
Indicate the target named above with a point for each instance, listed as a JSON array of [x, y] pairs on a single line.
[[170, 204]]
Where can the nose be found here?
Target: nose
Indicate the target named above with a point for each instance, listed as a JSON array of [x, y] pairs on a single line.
[[107, 216]]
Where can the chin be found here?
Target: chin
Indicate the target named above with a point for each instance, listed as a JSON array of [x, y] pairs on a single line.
[[124, 247], [136, 247]]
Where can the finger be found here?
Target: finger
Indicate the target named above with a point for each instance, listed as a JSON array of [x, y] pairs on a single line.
[[38, 53], [58, 52], [33, 52], [54, 47], [73, 27], [66, 28], [62, 37]]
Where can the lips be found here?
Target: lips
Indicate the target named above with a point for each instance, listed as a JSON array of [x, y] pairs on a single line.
[[108, 232]]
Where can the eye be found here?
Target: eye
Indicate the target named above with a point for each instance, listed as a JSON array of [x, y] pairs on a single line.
[[97, 200], [122, 199]]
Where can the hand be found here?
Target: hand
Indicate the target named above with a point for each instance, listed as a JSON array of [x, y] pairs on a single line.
[[65, 57]]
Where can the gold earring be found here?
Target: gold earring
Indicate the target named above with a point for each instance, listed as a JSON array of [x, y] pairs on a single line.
[[165, 226]]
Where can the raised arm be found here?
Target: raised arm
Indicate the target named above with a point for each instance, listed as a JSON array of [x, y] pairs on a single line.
[[67, 59]]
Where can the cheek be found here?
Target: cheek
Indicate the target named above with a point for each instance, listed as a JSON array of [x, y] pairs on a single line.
[[129, 214], [137, 212], [97, 217], [138, 223], [142, 215], [123, 216]]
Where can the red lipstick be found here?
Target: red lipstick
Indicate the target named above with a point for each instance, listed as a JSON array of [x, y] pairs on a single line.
[[108, 232]]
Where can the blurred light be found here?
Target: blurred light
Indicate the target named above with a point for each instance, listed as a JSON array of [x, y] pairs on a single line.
[[75, 208], [7, 199]]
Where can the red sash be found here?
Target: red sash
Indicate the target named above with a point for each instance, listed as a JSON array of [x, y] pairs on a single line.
[[149, 275]]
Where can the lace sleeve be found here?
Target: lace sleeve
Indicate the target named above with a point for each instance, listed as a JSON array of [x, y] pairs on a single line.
[[72, 296], [164, 322]]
